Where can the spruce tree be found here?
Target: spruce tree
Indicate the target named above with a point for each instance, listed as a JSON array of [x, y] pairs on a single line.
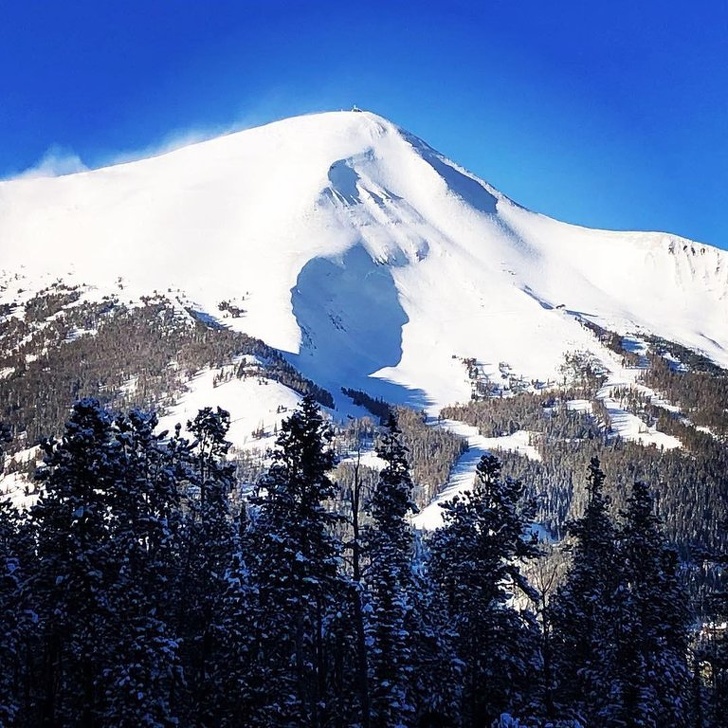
[[11, 634], [436, 668], [232, 669], [74, 568], [207, 549], [653, 638], [476, 560], [106, 544], [711, 656], [143, 671], [13, 564], [584, 613], [356, 547], [294, 561], [390, 549]]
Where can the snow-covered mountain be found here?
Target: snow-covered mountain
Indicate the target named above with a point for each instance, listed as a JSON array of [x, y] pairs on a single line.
[[369, 259]]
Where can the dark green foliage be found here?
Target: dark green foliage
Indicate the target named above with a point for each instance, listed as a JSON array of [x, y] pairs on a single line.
[[690, 360], [390, 549], [75, 568], [538, 413], [122, 586], [567, 440], [701, 394], [153, 347], [432, 452], [142, 590], [584, 611], [378, 407], [476, 562], [14, 554], [105, 537], [653, 636], [294, 562], [620, 619], [710, 655], [49, 302], [209, 547]]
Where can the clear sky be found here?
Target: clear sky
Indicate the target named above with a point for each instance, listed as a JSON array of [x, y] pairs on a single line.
[[608, 114]]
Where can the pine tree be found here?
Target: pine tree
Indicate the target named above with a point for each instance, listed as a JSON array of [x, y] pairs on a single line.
[[653, 642], [294, 561], [476, 563], [436, 668], [584, 613], [233, 667], [106, 544], [711, 657], [355, 546], [208, 546], [143, 672], [390, 549], [74, 570], [11, 638], [13, 558]]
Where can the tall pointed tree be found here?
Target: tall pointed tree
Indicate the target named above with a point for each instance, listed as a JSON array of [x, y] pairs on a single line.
[[584, 610], [294, 562], [476, 561], [74, 568], [390, 549], [106, 544], [13, 565], [208, 545], [144, 671], [654, 621]]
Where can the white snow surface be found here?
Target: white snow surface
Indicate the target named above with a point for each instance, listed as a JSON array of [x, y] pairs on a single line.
[[16, 487], [463, 474], [256, 407], [626, 425], [366, 256]]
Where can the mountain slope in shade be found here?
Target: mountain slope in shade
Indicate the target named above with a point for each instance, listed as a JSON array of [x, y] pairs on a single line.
[[371, 260]]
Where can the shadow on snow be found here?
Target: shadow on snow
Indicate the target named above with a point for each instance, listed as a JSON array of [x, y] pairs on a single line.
[[351, 321]]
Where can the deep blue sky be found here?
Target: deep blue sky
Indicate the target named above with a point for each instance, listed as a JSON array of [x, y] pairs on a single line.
[[610, 114]]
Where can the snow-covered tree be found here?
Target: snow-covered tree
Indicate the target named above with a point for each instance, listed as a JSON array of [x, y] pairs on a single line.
[[14, 555], [389, 580], [106, 542], [653, 637], [144, 672], [207, 549], [75, 566], [584, 611], [294, 563], [476, 562]]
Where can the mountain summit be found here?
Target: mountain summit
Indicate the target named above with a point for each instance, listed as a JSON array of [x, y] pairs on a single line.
[[369, 259]]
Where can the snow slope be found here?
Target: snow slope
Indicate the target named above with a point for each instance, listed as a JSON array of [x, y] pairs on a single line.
[[462, 475], [256, 406], [373, 261]]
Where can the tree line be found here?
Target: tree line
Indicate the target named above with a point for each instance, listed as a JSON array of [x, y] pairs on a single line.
[[61, 348], [140, 591]]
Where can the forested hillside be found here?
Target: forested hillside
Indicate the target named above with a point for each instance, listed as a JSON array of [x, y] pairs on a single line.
[[673, 392], [142, 590], [60, 345], [177, 578]]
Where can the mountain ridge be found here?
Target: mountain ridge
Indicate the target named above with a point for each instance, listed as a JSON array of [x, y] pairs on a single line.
[[367, 257]]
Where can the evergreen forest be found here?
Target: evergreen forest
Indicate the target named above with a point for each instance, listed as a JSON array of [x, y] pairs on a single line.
[[145, 588]]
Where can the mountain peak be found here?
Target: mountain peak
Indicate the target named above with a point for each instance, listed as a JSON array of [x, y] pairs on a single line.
[[362, 252]]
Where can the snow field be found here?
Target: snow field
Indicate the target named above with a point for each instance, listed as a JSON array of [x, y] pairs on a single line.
[[257, 215], [463, 474], [371, 261]]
